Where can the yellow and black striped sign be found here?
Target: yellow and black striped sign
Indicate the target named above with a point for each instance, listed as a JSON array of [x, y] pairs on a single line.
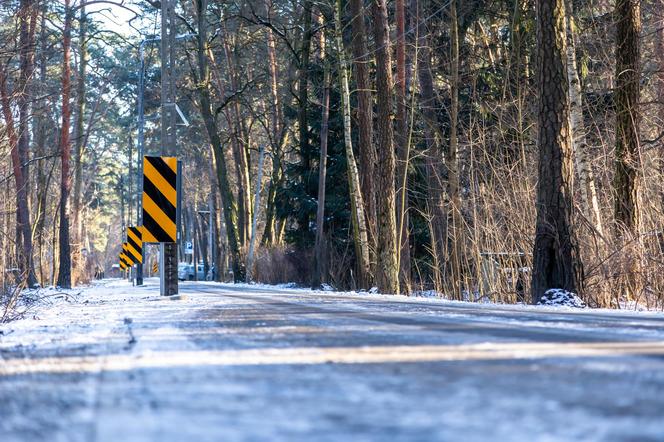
[[124, 261], [135, 244], [159, 199], [123, 266], [128, 257], [155, 268]]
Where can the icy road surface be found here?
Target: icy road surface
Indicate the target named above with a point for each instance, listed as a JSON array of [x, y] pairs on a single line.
[[255, 363]]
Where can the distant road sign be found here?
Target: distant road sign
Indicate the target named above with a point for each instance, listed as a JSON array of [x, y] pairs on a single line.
[[188, 248], [124, 259], [135, 244], [159, 199], [129, 258], [155, 268]]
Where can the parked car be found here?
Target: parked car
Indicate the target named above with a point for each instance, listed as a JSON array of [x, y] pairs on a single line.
[[186, 272]]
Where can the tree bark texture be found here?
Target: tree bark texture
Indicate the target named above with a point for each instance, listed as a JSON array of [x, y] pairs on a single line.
[[387, 271], [583, 165], [366, 148], [359, 222], [64, 271], [403, 149], [628, 75], [556, 261]]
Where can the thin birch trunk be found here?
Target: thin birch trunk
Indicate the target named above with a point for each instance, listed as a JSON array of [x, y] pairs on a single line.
[[403, 150], [356, 202], [583, 167]]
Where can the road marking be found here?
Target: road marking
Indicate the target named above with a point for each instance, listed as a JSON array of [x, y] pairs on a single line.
[[323, 355]]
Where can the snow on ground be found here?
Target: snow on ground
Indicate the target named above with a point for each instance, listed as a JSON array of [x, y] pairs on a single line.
[[254, 362]]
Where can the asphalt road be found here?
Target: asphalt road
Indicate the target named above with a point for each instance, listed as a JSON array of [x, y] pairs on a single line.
[[260, 364]]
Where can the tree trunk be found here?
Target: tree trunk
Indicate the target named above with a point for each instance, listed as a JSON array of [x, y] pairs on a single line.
[[275, 137], [303, 108], [360, 236], [28, 24], [387, 271], [64, 271], [659, 48], [40, 130], [22, 214], [434, 151], [556, 261], [403, 150], [628, 160], [203, 81], [456, 228], [28, 20], [580, 146], [366, 148], [79, 136], [627, 179], [319, 271], [240, 153]]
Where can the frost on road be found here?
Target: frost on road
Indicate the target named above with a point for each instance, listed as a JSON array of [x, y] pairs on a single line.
[[257, 363]]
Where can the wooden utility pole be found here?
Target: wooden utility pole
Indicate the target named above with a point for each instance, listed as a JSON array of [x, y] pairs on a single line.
[[168, 251]]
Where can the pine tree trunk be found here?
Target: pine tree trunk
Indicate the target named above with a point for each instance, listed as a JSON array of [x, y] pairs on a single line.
[[303, 111], [627, 179], [319, 249], [628, 161], [79, 137], [387, 271], [365, 147], [22, 214], [556, 261], [360, 235], [64, 271]]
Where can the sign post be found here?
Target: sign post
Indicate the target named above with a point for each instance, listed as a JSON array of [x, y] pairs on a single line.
[[160, 215], [168, 250]]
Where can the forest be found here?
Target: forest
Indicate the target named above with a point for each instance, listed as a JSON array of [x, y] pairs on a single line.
[[474, 150]]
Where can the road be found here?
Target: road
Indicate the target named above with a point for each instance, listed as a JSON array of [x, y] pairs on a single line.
[[244, 363]]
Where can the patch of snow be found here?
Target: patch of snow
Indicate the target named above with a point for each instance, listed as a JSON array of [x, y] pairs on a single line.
[[560, 297]]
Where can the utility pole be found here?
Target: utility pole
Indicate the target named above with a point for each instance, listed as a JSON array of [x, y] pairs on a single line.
[[141, 138], [141, 150], [168, 251]]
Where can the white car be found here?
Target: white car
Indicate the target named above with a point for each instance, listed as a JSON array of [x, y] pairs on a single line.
[[186, 272]]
